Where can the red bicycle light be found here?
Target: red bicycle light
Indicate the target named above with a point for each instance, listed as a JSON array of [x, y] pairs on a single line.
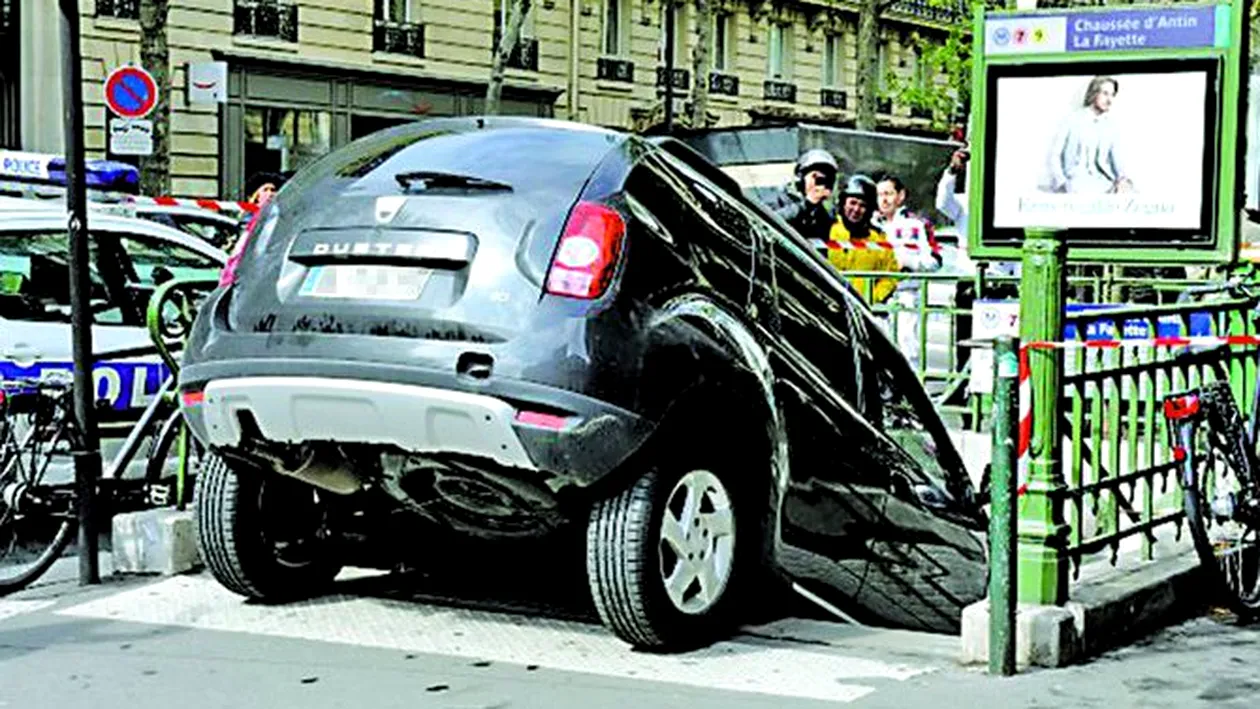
[[1181, 407], [586, 257], [193, 398]]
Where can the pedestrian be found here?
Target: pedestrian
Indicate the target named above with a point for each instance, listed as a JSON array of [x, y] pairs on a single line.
[[856, 245], [804, 202], [259, 188], [262, 186], [951, 195], [913, 236]]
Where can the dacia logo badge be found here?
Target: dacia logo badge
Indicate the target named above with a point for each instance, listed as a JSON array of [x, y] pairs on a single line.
[[387, 208]]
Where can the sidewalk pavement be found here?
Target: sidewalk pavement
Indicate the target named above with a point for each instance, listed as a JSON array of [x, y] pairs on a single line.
[[394, 641]]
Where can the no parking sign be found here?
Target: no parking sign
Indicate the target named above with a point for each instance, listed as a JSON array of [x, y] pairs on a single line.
[[130, 93]]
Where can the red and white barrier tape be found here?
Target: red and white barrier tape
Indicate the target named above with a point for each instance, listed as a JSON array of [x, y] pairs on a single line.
[[873, 245], [1025, 379], [214, 205], [1024, 457]]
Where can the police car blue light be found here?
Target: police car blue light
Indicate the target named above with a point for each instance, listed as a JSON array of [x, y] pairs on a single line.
[[47, 169]]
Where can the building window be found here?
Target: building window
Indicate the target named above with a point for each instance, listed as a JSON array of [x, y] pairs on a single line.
[[680, 37], [281, 139], [267, 18], [398, 29], [122, 9], [882, 67], [723, 39], [615, 26], [919, 70], [833, 62], [525, 54], [396, 11], [780, 50]]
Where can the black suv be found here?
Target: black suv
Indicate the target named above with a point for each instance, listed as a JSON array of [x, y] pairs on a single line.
[[506, 326]]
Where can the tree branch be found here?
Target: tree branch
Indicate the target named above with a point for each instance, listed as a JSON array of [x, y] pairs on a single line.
[[511, 36]]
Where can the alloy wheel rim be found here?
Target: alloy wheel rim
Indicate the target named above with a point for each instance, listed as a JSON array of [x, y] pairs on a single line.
[[697, 542]]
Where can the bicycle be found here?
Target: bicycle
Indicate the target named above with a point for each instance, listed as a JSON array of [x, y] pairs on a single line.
[[1208, 432], [38, 429]]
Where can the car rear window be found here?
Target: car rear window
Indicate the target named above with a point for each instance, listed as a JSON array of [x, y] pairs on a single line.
[[529, 158]]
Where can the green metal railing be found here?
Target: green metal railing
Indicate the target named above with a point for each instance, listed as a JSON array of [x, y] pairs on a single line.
[[1119, 475], [929, 316]]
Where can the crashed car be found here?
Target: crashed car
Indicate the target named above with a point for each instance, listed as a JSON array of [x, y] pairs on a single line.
[[506, 327]]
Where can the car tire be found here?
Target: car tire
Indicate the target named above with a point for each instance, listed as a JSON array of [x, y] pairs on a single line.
[[233, 517], [630, 560]]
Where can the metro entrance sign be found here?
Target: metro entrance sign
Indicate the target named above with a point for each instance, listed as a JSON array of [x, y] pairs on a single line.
[[1117, 127]]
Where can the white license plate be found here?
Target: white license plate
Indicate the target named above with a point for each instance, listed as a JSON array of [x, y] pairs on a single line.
[[366, 282]]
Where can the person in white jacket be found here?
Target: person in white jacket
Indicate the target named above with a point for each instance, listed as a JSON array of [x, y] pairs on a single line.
[[956, 205], [948, 199], [913, 237]]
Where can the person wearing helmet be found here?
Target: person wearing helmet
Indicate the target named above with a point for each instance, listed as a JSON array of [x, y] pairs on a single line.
[[804, 205], [852, 236]]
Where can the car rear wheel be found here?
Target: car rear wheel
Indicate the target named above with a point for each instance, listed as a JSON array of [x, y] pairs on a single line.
[[262, 535], [666, 558]]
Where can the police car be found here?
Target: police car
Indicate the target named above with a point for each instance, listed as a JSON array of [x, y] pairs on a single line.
[[130, 258]]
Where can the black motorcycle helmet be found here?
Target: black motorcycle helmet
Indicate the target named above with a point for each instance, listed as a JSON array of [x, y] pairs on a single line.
[[819, 160], [861, 186]]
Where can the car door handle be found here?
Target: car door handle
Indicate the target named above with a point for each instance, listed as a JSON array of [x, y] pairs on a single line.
[[22, 354]]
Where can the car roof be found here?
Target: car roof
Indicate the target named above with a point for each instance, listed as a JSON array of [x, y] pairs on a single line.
[[21, 204], [43, 219], [195, 212]]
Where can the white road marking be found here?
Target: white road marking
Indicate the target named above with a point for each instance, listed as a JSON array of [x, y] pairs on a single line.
[[199, 602], [8, 609]]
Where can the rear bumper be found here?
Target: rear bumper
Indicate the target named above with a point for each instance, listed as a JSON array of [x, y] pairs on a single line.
[[324, 404], [413, 418]]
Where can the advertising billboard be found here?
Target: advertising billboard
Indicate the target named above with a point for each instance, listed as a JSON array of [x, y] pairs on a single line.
[[1111, 151], [1117, 127]]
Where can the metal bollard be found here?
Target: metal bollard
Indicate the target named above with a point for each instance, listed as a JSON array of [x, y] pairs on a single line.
[[1002, 567]]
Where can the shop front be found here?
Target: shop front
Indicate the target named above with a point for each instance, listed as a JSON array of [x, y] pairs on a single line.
[[281, 116]]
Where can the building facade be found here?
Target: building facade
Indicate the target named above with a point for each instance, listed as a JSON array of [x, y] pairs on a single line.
[[307, 76]]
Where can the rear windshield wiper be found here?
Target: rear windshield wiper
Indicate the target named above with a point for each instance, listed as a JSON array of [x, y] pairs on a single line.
[[427, 180]]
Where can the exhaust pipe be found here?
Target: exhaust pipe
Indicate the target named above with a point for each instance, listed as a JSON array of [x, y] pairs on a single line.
[[333, 473], [325, 467]]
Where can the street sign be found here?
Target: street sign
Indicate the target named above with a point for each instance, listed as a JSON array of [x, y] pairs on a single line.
[[1117, 127], [207, 82], [130, 92], [130, 136]]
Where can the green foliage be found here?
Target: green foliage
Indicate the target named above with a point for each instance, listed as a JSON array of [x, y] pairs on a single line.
[[945, 62]]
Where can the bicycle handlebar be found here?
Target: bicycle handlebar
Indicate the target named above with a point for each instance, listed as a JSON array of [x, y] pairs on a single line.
[[1234, 286]]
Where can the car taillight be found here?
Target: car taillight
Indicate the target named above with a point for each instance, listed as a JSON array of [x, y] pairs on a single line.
[[1181, 407], [587, 255]]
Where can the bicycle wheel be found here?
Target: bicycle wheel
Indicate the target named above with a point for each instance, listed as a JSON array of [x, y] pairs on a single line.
[[37, 520], [163, 465], [1220, 502]]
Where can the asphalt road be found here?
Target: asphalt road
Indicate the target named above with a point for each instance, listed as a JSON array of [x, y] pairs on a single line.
[[409, 641]]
